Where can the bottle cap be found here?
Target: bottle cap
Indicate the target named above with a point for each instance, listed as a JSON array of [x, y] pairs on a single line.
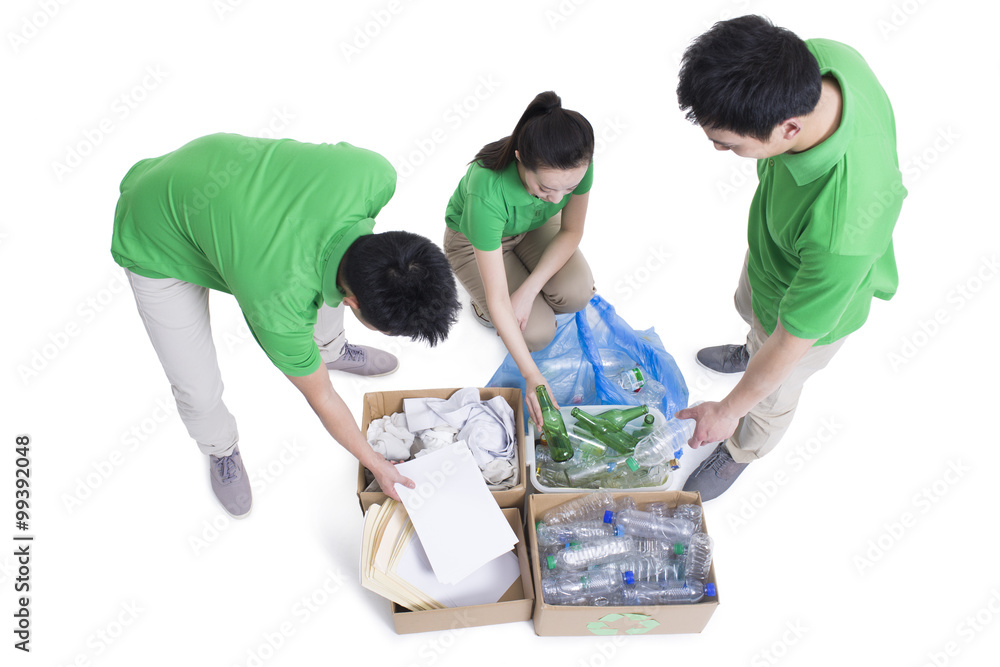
[[551, 562], [619, 531], [674, 465], [611, 465], [710, 590], [609, 516], [629, 577], [538, 524], [632, 464], [678, 548]]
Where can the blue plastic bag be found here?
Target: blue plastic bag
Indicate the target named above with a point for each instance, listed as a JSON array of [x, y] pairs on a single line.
[[589, 349]]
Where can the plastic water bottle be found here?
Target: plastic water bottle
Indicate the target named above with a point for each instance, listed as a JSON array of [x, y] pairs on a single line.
[[614, 361], [631, 380], [577, 588], [652, 393], [655, 547], [580, 556], [660, 445], [698, 559], [572, 532], [659, 509], [644, 524], [581, 475], [654, 593], [645, 567], [584, 508], [692, 513]]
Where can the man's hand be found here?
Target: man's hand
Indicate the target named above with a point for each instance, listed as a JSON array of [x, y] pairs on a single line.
[[714, 423], [387, 476]]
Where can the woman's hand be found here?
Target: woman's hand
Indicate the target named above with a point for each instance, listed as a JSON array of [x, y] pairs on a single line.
[[387, 475], [532, 380], [522, 301]]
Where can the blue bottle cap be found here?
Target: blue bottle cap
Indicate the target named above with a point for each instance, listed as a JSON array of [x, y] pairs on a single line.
[[609, 516], [619, 531], [611, 465], [630, 577], [710, 590]]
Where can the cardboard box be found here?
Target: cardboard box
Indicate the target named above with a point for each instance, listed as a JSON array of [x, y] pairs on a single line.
[[515, 605], [560, 620], [381, 403]]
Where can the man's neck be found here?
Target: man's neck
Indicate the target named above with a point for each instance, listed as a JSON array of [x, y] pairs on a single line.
[[823, 121]]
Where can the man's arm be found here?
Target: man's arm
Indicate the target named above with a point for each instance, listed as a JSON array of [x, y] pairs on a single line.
[[339, 422], [766, 371]]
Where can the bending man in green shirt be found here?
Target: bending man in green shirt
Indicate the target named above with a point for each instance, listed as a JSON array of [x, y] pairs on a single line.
[[821, 128], [286, 228]]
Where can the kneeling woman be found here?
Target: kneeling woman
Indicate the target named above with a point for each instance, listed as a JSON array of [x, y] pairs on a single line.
[[514, 227]]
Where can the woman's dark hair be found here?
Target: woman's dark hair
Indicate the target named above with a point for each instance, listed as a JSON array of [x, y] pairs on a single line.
[[546, 136], [746, 76], [404, 285]]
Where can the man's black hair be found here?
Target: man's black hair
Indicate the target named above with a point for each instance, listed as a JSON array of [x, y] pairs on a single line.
[[404, 285], [747, 76]]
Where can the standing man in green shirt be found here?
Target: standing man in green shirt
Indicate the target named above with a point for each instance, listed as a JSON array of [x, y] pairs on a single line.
[[819, 237], [286, 228]]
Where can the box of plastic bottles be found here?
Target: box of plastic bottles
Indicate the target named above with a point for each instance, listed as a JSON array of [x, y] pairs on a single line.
[[591, 468], [515, 605], [652, 573], [382, 403]]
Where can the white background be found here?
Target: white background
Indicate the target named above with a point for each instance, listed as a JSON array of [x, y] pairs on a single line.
[[853, 532]]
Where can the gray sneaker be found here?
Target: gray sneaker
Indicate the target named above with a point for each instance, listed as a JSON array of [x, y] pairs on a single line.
[[715, 474], [364, 360], [724, 358], [481, 316], [231, 483]]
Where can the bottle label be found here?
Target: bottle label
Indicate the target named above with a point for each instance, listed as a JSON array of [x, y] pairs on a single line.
[[633, 380]]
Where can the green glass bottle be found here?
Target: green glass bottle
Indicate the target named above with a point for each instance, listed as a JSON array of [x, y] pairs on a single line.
[[606, 432], [554, 427], [620, 417], [646, 428]]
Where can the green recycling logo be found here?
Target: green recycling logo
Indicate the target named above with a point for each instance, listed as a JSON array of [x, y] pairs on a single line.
[[630, 624]]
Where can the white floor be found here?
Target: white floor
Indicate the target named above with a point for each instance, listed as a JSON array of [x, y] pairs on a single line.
[[868, 537]]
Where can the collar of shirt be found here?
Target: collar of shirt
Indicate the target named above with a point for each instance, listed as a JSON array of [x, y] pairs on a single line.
[[807, 166], [514, 192], [332, 293]]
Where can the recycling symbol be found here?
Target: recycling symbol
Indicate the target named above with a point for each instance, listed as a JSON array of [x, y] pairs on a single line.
[[630, 624]]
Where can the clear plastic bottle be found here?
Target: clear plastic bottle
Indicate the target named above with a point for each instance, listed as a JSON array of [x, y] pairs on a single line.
[[631, 380], [652, 393], [584, 508], [692, 513], [594, 472], [659, 509], [565, 533], [654, 593], [644, 524], [698, 558], [660, 445], [655, 547], [576, 588], [581, 555], [647, 567]]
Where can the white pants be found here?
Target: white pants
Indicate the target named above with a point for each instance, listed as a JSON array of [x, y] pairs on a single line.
[[175, 314]]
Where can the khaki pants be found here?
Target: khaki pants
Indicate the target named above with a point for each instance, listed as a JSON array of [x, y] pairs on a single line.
[[568, 291], [763, 427], [175, 314]]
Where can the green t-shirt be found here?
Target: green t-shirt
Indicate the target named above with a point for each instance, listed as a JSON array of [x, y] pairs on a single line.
[[488, 205], [267, 220], [821, 221]]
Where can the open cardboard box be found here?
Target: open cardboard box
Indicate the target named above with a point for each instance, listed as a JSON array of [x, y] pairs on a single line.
[[515, 605], [381, 403], [561, 620]]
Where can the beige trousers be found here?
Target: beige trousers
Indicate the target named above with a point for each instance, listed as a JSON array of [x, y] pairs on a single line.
[[763, 427], [568, 291]]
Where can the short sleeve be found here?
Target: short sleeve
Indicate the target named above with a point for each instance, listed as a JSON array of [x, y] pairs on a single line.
[[482, 223], [294, 352], [821, 292]]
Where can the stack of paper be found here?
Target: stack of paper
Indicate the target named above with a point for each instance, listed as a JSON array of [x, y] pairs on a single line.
[[463, 555], [394, 565]]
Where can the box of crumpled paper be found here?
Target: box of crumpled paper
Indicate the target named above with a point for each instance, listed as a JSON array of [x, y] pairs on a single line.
[[508, 493]]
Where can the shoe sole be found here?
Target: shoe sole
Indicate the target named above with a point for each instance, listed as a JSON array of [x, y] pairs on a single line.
[[239, 516], [364, 375]]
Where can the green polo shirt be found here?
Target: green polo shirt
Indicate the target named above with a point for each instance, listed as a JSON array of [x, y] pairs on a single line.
[[267, 220], [821, 221], [488, 205]]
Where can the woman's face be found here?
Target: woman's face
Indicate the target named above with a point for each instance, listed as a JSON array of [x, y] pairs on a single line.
[[551, 185]]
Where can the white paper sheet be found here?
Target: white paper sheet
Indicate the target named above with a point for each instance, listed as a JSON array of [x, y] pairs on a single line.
[[460, 525]]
